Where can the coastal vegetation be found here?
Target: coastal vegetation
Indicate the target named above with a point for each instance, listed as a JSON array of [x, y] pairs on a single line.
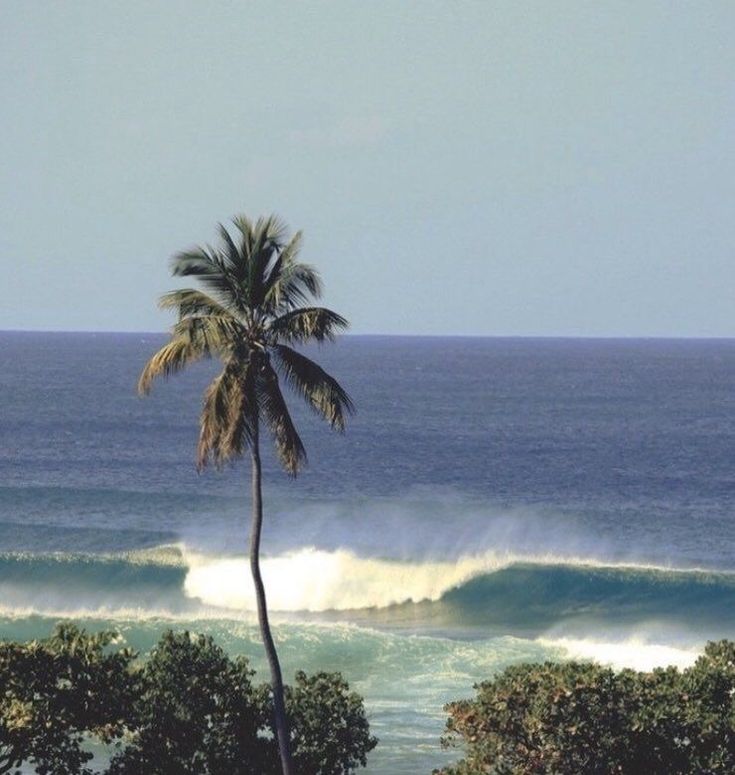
[[81, 704], [187, 709], [249, 315], [539, 719]]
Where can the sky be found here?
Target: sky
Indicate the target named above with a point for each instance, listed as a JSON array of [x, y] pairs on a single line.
[[473, 168]]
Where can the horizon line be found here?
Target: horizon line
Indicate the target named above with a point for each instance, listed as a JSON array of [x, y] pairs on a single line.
[[603, 337]]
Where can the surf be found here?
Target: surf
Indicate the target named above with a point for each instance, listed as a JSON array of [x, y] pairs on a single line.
[[521, 594]]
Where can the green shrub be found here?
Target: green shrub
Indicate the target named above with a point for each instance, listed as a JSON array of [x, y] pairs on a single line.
[[57, 692], [574, 717], [330, 732], [196, 712], [188, 709]]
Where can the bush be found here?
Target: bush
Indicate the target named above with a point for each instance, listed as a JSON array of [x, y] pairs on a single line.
[[196, 712], [57, 692], [330, 732], [574, 717], [189, 709]]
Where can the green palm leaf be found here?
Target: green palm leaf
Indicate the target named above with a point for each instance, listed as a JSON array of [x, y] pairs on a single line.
[[320, 390], [274, 411], [213, 271], [291, 282], [306, 324], [211, 334]]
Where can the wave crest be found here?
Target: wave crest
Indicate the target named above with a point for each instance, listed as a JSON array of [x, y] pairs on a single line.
[[315, 580], [484, 593]]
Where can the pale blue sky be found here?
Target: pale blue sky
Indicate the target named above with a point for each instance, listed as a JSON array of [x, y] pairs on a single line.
[[529, 168]]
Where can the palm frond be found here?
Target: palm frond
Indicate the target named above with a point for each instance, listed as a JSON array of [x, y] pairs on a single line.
[[269, 235], [212, 334], [290, 282], [227, 416], [213, 271], [272, 291], [169, 360], [236, 260], [250, 305], [321, 391], [273, 228], [274, 411], [307, 279], [245, 226], [296, 284], [308, 323], [262, 255], [189, 302], [192, 338]]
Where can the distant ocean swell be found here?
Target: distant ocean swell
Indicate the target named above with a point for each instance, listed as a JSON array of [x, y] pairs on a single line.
[[513, 594]]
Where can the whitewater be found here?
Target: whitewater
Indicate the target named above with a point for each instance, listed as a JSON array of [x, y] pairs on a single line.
[[495, 500]]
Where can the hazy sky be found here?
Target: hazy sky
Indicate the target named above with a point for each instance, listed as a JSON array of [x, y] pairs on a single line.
[[553, 168]]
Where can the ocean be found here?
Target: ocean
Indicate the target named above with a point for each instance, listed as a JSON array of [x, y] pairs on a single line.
[[493, 501]]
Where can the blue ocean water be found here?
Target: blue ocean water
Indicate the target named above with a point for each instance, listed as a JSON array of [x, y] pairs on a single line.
[[493, 500]]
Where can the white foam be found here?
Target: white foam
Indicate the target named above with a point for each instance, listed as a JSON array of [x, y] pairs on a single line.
[[633, 652], [316, 580]]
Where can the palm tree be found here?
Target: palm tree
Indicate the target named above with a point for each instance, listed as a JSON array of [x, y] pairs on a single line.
[[247, 316]]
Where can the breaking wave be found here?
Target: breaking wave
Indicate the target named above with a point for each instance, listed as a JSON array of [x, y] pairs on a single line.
[[526, 595]]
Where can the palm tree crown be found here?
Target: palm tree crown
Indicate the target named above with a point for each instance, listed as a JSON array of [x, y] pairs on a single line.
[[247, 315]]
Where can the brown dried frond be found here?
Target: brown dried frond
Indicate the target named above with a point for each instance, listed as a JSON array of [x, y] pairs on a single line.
[[213, 334], [190, 301], [227, 415], [275, 412], [170, 359]]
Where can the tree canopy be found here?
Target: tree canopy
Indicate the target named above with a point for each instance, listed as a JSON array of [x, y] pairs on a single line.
[[539, 719], [189, 709], [254, 306]]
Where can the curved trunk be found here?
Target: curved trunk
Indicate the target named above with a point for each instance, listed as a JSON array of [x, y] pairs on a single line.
[[279, 707]]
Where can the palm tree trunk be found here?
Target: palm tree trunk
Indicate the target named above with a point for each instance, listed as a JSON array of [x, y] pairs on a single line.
[[279, 706]]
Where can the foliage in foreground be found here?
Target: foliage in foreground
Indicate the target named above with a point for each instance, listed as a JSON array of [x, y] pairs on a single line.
[[538, 719], [56, 692], [189, 709]]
